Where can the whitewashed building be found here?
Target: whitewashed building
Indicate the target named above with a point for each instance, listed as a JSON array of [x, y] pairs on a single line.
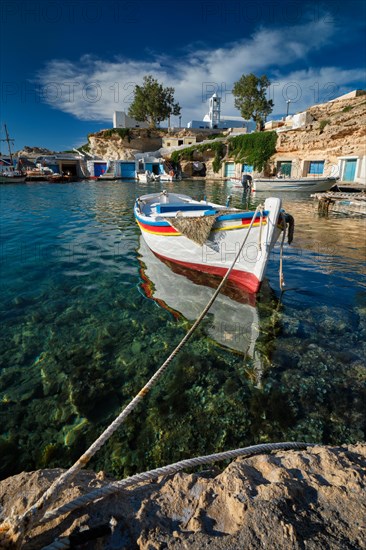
[[122, 120], [214, 119]]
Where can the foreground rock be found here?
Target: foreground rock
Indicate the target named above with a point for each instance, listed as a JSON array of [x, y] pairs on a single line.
[[289, 499]]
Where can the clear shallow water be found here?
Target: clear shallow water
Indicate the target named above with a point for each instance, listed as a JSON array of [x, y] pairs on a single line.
[[84, 326]]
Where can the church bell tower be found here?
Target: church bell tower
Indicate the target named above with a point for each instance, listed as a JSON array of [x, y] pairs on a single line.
[[214, 112]]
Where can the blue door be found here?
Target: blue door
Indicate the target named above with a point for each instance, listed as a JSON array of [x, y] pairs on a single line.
[[350, 170], [229, 169], [285, 168], [99, 168], [128, 170], [247, 168]]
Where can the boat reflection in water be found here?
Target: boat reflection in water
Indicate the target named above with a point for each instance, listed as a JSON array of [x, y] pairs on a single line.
[[232, 321]]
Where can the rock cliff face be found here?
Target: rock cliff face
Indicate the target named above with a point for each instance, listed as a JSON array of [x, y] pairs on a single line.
[[114, 145], [285, 500], [336, 129]]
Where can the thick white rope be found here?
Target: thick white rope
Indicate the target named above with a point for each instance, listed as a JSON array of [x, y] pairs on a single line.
[[16, 532], [112, 488], [282, 279]]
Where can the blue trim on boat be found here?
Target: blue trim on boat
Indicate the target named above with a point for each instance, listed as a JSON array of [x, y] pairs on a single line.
[[148, 222], [225, 217], [171, 207], [239, 216]]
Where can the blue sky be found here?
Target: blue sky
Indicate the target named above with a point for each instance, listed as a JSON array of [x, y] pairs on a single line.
[[67, 65]]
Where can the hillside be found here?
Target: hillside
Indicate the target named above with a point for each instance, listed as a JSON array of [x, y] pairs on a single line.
[[336, 129]]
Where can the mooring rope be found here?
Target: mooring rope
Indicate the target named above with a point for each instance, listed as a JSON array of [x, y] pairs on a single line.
[[260, 231], [12, 532], [282, 279], [114, 487]]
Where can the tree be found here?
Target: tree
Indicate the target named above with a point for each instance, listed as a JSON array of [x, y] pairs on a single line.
[[153, 103], [250, 98]]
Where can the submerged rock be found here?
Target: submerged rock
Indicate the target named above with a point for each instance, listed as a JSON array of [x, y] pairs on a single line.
[[289, 499]]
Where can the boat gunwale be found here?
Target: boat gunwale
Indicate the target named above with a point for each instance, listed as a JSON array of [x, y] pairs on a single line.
[[158, 220]]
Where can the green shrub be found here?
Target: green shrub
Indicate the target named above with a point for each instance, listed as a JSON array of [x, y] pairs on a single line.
[[187, 154], [123, 133], [347, 109], [255, 149], [323, 123]]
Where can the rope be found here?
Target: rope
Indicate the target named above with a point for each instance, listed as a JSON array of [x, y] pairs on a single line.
[[260, 230], [169, 470], [17, 531], [282, 279]]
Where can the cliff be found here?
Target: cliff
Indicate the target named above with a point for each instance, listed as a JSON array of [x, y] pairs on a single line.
[[334, 129], [310, 499], [124, 143]]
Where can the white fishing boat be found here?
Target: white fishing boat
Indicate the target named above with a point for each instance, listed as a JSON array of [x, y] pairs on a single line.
[[309, 184], [147, 177], [233, 321], [205, 236], [11, 176]]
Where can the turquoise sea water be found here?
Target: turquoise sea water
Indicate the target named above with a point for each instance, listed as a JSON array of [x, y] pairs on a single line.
[[85, 322]]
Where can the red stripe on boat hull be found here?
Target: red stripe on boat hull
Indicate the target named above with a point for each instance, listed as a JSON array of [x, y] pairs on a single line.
[[242, 279]]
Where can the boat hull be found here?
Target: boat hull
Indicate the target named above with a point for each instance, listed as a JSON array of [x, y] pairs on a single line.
[[216, 255], [12, 179], [311, 185]]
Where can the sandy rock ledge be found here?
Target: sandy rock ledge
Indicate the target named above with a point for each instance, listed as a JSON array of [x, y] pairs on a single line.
[[311, 499]]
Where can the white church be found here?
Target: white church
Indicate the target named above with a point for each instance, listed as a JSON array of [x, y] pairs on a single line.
[[214, 119]]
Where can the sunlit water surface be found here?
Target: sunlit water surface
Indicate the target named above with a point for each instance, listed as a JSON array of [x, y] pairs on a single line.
[[88, 315]]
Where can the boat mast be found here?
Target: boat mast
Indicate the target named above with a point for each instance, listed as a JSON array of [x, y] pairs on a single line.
[[8, 140]]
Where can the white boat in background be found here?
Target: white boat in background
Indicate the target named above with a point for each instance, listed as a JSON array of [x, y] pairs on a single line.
[[204, 236], [11, 176], [147, 177], [309, 184], [233, 320]]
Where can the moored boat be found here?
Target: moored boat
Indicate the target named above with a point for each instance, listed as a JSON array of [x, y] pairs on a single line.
[[309, 184], [9, 174], [59, 178], [205, 236], [147, 177], [12, 176]]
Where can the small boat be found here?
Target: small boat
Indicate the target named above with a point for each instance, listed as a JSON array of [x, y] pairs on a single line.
[[309, 184], [205, 236], [11, 176], [147, 177], [41, 173], [59, 178]]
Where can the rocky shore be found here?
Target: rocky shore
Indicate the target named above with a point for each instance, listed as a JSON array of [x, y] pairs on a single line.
[[308, 499]]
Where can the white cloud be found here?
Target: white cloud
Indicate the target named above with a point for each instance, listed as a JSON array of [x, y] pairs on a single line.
[[92, 89]]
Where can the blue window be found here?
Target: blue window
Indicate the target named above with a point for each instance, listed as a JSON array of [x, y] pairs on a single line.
[[316, 167], [248, 168]]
